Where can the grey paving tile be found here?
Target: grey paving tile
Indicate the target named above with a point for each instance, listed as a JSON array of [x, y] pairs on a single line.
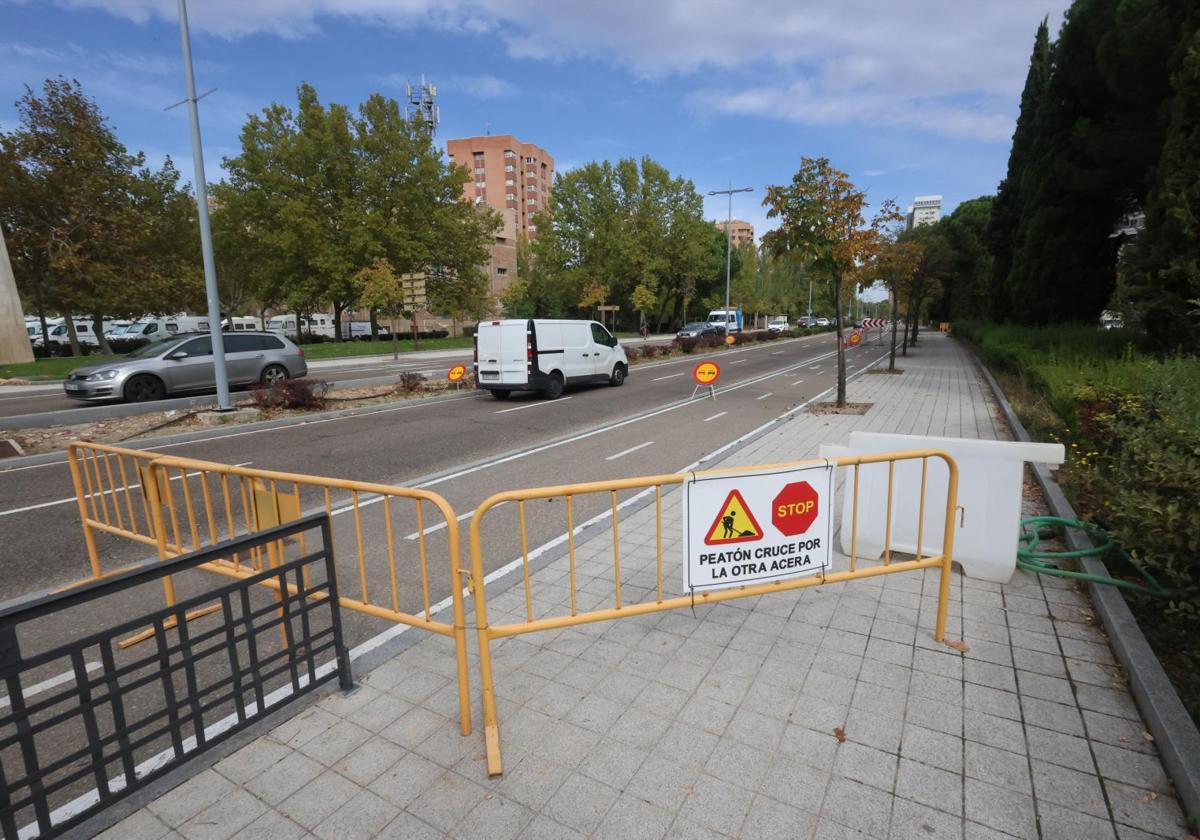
[[1118, 732], [408, 827], [179, 805], [1145, 810], [447, 800], [272, 825], [251, 760], [224, 818], [405, 780], [1133, 768], [363, 816], [1057, 748], [1056, 689], [1000, 808], [494, 818], [580, 803], [1062, 824], [1069, 788], [140, 825], [738, 764], [998, 767], [366, 762], [1048, 715], [928, 746], [930, 786], [911, 821], [311, 804], [992, 701], [855, 805], [685, 829], [769, 819], [634, 819], [994, 731], [1106, 700]]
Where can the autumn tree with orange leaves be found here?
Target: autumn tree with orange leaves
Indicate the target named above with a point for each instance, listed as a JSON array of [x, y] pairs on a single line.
[[822, 225]]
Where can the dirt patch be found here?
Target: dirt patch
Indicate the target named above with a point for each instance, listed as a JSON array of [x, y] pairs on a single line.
[[833, 408]]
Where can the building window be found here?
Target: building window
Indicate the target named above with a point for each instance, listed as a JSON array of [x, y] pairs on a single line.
[[510, 168], [531, 159], [502, 271], [479, 199], [511, 196], [510, 183], [509, 153], [531, 188], [531, 201], [481, 184], [532, 228]]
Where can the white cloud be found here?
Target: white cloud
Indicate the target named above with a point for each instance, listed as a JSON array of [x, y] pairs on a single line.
[[484, 86], [950, 68]]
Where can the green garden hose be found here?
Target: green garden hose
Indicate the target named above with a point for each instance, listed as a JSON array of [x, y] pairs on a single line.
[[1032, 560]]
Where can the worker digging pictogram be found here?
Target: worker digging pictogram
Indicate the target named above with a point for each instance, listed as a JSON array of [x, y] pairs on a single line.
[[734, 523]]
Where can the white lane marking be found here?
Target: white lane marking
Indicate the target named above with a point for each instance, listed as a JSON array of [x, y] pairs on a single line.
[[537, 404], [738, 361], [669, 376], [630, 449], [715, 416], [817, 368], [798, 381], [46, 685], [764, 396], [101, 493], [90, 798], [439, 526], [777, 352]]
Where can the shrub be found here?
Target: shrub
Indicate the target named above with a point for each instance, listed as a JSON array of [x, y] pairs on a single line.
[[686, 345], [290, 393], [634, 353], [410, 381], [126, 345]]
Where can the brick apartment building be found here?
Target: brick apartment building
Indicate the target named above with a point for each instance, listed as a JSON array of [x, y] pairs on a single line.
[[740, 232], [509, 176]]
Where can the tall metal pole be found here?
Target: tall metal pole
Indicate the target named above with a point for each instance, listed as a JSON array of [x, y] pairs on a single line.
[[206, 248], [810, 301], [729, 241]]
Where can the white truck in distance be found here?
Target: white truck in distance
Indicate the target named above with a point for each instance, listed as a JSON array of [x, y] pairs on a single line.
[[546, 356]]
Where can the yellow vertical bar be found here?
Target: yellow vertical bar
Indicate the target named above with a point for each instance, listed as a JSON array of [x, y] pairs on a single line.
[[658, 535], [887, 537], [112, 485], [160, 527], [100, 487], [91, 492], [89, 537], [571, 549], [170, 501], [525, 561], [209, 515], [329, 513], [278, 545], [921, 513], [362, 560], [251, 521], [854, 523], [304, 570], [391, 548], [133, 526], [616, 549], [491, 724], [150, 517], [947, 549], [421, 556], [191, 514], [227, 498]]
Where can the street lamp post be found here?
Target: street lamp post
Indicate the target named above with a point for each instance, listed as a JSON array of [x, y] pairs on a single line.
[[728, 240], [206, 247]]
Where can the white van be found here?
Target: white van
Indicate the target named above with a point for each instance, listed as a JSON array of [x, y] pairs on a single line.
[[84, 331], [239, 323], [538, 355], [318, 324], [156, 329]]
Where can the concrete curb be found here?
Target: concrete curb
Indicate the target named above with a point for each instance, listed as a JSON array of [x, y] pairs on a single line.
[[1174, 731]]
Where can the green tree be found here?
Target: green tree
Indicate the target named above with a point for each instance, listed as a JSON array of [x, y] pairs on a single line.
[[822, 223], [1165, 262], [91, 229], [380, 288], [896, 264], [1002, 225]]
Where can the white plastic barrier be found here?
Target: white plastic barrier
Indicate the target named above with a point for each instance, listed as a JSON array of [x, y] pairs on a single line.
[[990, 479]]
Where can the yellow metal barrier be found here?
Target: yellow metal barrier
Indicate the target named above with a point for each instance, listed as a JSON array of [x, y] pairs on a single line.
[[185, 504], [857, 568]]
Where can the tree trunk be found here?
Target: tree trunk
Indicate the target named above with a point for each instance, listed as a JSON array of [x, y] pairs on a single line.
[[299, 328], [892, 354], [908, 320], [375, 325], [841, 353], [416, 333], [98, 326], [76, 350], [262, 318], [395, 338], [337, 322]]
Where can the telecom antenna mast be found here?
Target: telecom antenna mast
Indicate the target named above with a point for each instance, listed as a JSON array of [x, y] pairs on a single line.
[[422, 104]]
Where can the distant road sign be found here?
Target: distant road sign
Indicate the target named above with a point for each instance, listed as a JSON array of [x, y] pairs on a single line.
[[874, 324], [456, 373], [729, 340], [706, 373]]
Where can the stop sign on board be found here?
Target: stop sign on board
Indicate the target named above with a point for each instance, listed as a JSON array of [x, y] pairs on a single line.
[[795, 508]]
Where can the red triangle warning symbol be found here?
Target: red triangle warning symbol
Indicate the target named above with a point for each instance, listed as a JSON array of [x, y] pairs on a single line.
[[734, 523]]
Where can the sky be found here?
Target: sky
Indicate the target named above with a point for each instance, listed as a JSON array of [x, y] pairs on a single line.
[[910, 98]]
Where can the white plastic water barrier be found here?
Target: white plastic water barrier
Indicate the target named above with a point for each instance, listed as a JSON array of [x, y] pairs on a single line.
[[990, 479]]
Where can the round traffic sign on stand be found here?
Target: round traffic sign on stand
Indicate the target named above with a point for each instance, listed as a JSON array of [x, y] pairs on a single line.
[[729, 339], [706, 373], [456, 373]]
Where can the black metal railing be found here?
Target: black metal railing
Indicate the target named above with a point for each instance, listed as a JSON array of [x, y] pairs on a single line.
[[124, 717]]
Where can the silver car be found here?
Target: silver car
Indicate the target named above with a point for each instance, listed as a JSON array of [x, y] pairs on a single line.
[[185, 363]]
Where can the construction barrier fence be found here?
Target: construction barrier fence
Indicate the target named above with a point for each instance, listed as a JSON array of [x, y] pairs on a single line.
[[856, 567], [178, 505]]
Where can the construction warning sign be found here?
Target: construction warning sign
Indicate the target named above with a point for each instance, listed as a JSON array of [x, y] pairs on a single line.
[[734, 523], [743, 528]]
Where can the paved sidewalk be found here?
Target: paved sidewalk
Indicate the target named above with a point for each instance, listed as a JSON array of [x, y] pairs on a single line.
[[722, 723]]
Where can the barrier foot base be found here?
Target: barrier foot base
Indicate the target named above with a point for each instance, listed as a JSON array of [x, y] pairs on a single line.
[[167, 625], [491, 737]]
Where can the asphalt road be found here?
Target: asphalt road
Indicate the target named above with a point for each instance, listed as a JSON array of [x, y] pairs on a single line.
[[464, 448]]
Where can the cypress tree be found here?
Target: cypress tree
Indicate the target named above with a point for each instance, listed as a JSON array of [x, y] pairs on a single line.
[[1165, 275], [1002, 226]]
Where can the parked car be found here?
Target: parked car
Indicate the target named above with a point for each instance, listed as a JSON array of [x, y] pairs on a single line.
[[184, 363], [160, 329], [697, 329], [778, 325], [545, 356], [823, 322], [361, 331]]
